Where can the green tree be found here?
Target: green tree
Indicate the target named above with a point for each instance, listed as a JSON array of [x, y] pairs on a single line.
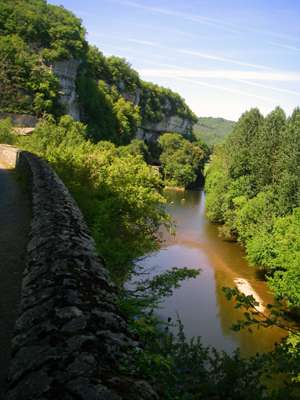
[[136, 147], [129, 119], [122, 75], [182, 161], [253, 190], [26, 83], [268, 145], [6, 132], [242, 143]]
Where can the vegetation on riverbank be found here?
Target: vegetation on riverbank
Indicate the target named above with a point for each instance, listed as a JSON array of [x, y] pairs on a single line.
[[253, 190], [182, 161]]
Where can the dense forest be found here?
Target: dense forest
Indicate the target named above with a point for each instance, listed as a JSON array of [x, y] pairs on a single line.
[[252, 191]]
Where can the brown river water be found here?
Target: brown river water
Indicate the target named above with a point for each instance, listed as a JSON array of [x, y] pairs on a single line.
[[200, 302]]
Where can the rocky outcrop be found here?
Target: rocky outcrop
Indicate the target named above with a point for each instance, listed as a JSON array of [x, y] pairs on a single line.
[[134, 97], [70, 337], [66, 71], [173, 123], [170, 122]]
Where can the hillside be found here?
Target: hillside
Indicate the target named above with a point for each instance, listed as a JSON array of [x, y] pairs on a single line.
[[49, 67], [212, 130]]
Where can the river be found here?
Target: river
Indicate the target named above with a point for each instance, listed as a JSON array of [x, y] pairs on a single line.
[[200, 302]]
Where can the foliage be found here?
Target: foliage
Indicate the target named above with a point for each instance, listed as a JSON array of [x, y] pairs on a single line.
[[33, 35], [122, 75], [128, 118], [118, 194], [284, 361], [212, 130], [26, 84], [184, 370], [118, 120], [6, 132], [136, 147], [182, 161], [53, 31], [253, 189]]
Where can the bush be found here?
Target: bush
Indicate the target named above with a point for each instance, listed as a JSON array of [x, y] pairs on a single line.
[[6, 132], [181, 160]]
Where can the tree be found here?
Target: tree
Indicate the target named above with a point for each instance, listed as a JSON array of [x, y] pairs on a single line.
[[253, 189], [181, 160], [268, 145], [241, 144]]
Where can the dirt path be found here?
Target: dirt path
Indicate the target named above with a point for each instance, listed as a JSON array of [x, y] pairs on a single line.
[[14, 227]]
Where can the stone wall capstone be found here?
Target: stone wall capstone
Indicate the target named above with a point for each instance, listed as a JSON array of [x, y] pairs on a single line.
[[70, 337]]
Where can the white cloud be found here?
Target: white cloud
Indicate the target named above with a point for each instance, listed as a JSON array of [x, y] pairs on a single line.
[[214, 57], [143, 42], [285, 46], [217, 23], [190, 17], [227, 90], [248, 78], [281, 90], [223, 74]]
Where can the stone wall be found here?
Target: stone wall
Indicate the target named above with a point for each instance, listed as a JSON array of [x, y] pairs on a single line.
[[70, 337]]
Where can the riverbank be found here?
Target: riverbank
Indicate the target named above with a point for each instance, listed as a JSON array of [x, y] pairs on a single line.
[[175, 188]]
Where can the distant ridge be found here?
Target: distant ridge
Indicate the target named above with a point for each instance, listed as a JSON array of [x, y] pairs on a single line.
[[212, 130]]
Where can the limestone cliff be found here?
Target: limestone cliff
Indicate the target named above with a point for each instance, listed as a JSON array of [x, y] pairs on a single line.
[[168, 121], [66, 71], [150, 131]]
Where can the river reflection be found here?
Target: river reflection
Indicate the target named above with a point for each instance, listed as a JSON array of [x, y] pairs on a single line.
[[200, 302]]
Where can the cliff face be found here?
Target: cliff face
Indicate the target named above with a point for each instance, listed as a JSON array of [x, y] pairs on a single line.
[[66, 71], [134, 97], [150, 130], [170, 122]]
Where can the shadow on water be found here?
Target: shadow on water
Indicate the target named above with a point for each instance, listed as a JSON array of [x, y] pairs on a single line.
[[200, 302]]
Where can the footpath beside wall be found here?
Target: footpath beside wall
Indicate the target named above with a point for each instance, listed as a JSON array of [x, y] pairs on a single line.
[[15, 217], [69, 337]]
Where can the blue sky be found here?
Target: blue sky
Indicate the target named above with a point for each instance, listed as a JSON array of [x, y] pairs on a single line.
[[222, 56]]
